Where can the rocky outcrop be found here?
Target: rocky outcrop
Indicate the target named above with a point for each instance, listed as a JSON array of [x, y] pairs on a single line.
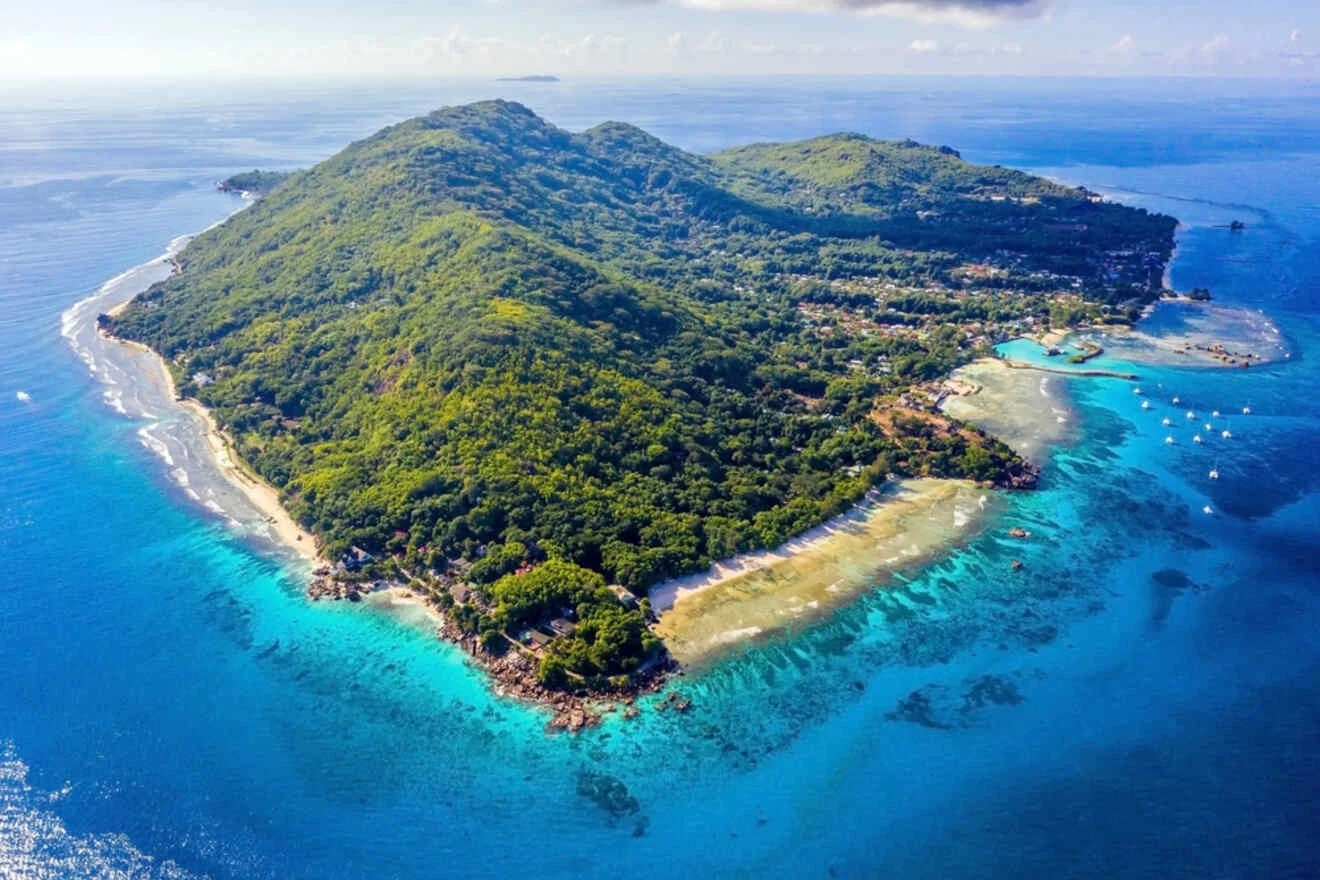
[[1020, 475], [514, 672]]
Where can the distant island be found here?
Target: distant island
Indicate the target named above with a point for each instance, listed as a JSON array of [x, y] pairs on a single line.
[[529, 374], [532, 78]]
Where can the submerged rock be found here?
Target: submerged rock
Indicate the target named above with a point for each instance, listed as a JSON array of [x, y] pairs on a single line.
[[608, 793]]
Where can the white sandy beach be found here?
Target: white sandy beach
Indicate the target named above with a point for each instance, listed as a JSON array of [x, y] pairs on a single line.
[[664, 595], [768, 591], [1027, 409], [139, 385], [263, 496]]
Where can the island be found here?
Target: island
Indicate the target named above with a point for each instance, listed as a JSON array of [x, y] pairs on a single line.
[[532, 78], [531, 376]]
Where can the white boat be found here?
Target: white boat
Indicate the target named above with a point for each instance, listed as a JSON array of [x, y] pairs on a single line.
[[1166, 422], [1196, 439], [1176, 401], [1227, 434], [1215, 413], [1246, 410], [1190, 414], [1136, 390], [1208, 509], [1145, 404], [1169, 439], [1214, 474], [1209, 427]]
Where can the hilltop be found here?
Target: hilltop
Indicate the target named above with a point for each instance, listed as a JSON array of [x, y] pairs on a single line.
[[516, 364]]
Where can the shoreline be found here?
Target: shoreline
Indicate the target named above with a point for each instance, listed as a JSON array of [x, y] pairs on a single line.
[[512, 671], [510, 675], [765, 593], [666, 594], [1021, 405], [260, 494]]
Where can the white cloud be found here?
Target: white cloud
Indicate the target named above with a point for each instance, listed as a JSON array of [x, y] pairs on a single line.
[[460, 44], [970, 13], [1123, 45], [714, 43], [1214, 45], [924, 47]]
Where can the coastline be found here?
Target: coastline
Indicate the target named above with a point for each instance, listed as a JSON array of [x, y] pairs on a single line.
[[666, 594], [512, 672], [763, 593], [1020, 404], [260, 494]]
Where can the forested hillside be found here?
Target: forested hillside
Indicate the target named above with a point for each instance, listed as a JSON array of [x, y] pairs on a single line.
[[475, 336]]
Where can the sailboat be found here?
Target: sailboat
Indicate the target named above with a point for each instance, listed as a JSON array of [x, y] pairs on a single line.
[[1145, 404], [1214, 473], [1209, 427], [1169, 439], [1196, 439], [1190, 414], [1166, 422], [1246, 410], [1227, 434], [1215, 413], [1207, 509], [1136, 390], [1176, 401]]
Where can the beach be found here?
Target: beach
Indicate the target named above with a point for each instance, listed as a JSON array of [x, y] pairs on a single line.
[[894, 529], [264, 496], [1028, 409], [180, 432], [260, 494]]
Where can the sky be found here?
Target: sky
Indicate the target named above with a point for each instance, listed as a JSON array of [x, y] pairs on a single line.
[[46, 40]]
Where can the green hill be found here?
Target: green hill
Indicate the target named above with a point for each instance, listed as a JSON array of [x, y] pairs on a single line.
[[475, 336]]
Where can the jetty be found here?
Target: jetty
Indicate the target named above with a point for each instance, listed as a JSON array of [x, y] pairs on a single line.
[[1111, 374]]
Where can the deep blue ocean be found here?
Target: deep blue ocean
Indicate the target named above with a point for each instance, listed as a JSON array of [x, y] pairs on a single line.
[[1144, 702]]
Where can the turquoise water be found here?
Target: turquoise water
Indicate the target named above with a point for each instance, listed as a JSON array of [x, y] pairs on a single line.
[[1140, 700]]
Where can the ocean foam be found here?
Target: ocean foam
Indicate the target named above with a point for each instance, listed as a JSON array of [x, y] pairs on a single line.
[[155, 444], [115, 400]]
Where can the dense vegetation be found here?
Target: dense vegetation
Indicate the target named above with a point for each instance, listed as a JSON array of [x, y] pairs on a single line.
[[476, 336], [254, 182]]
